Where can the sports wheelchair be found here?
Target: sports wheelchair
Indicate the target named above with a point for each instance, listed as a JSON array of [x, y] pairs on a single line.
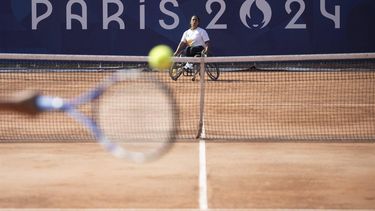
[[179, 68]]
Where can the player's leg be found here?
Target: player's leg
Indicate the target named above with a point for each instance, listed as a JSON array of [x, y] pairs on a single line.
[[189, 53]]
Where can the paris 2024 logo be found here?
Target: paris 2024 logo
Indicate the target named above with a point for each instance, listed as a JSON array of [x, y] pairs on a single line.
[[262, 5]]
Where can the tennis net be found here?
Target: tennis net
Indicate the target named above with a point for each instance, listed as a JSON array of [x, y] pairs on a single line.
[[296, 97]]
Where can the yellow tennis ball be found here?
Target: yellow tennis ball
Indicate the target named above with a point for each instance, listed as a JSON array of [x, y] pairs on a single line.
[[160, 57]]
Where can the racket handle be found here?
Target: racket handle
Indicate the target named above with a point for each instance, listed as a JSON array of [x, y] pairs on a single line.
[[24, 102]]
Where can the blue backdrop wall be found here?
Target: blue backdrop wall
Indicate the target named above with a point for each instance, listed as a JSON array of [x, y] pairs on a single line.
[[236, 27]]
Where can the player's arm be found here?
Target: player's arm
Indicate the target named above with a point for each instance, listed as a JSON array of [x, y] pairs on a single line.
[[206, 40], [207, 47], [179, 49], [182, 45]]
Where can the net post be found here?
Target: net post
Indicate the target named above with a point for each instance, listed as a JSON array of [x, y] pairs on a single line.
[[201, 132]]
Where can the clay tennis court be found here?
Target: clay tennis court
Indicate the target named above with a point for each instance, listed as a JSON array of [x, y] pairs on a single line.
[[254, 173]]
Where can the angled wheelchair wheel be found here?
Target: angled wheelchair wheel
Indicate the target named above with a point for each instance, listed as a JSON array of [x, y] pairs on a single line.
[[176, 70], [212, 71]]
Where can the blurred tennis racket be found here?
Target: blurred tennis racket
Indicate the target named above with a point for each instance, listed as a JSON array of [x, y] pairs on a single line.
[[135, 115]]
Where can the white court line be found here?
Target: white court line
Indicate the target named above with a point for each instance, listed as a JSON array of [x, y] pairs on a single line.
[[203, 202], [305, 104]]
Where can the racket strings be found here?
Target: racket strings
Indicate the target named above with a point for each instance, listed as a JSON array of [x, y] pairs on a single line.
[[137, 116]]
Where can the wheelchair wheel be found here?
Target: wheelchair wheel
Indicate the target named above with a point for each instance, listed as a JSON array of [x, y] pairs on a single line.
[[176, 70], [212, 71]]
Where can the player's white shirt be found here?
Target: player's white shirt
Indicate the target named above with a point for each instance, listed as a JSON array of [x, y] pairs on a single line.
[[195, 37]]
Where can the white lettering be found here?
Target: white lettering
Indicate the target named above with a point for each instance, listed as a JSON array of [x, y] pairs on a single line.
[[215, 9], [292, 24], [213, 24], [142, 17], [114, 17], [36, 19], [335, 18], [176, 19], [69, 16]]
